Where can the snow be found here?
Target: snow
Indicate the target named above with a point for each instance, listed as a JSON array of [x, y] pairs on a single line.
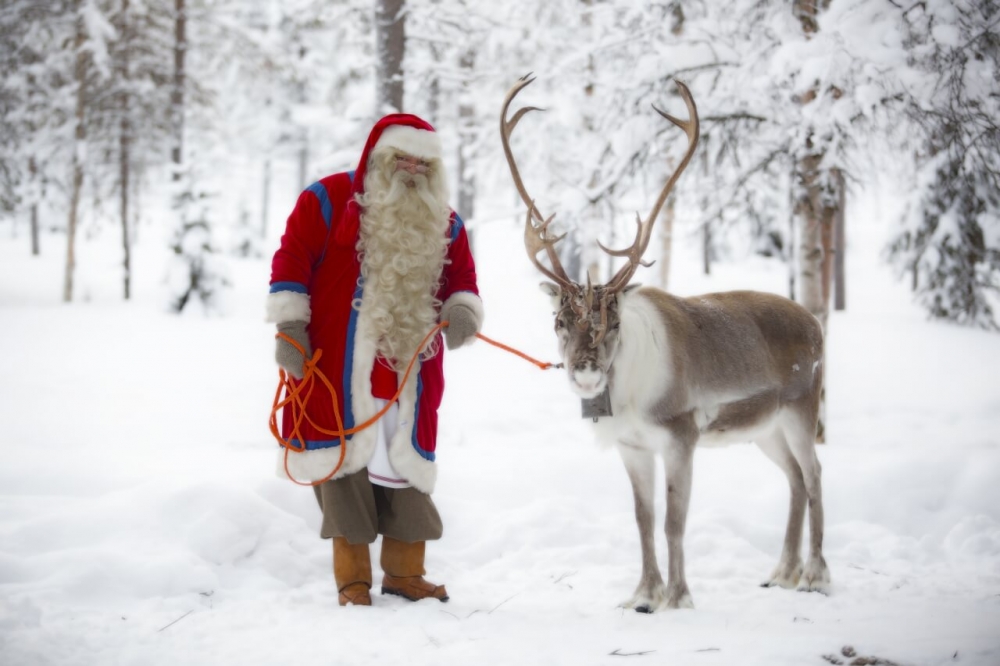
[[141, 521]]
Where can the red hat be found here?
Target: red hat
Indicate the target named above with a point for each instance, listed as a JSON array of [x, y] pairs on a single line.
[[407, 133]]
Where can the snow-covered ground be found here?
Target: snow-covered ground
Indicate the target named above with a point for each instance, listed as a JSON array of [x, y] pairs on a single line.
[[141, 521]]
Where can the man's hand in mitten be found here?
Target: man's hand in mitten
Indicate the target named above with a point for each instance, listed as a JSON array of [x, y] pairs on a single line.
[[287, 356], [461, 326]]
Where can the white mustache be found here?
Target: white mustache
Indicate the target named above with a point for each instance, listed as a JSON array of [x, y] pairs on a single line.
[[399, 187]]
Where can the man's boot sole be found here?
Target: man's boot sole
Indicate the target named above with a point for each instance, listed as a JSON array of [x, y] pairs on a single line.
[[400, 593]]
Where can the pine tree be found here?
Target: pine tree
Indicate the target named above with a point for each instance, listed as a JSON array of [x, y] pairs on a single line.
[[34, 124], [196, 270], [950, 242], [130, 124]]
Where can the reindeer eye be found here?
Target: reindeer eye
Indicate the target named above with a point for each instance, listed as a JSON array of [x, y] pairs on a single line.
[[560, 324]]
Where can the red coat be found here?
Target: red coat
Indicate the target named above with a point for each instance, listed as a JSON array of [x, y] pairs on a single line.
[[317, 259]]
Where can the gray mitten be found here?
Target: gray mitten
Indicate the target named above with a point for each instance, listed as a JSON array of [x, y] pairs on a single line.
[[287, 356], [461, 326]]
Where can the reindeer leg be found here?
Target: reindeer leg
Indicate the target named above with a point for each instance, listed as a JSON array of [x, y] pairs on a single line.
[[802, 442], [639, 464], [789, 569], [678, 461]]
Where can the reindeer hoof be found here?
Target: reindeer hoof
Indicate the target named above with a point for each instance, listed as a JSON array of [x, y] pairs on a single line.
[[644, 609], [785, 575], [815, 577], [682, 601]]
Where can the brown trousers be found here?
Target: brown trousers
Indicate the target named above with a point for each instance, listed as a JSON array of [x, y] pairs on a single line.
[[356, 509]]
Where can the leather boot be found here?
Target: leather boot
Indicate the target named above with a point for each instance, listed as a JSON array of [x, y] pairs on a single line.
[[352, 570], [403, 565]]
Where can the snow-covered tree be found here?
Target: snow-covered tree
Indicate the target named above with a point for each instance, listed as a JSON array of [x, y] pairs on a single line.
[[196, 269], [35, 126], [449, 42], [950, 240], [91, 67], [131, 126]]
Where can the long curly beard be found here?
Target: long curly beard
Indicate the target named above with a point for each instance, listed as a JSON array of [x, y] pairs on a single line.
[[403, 245]]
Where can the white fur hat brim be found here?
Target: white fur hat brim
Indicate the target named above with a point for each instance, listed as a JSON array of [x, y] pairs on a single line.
[[412, 141]]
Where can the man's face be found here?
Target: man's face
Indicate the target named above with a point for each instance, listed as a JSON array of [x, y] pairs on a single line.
[[411, 165]]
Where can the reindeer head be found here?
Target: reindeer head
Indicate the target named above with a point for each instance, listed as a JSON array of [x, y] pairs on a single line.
[[587, 323], [588, 316]]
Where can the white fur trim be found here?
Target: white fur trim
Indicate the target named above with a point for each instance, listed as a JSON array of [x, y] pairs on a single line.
[[310, 465], [285, 306], [362, 444], [412, 141], [420, 472], [469, 300]]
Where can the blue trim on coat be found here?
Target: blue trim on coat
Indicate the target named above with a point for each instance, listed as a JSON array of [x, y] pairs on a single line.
[[352, 327], [327, 211], [297, 287], [456, 226], [325, 206], [426, 455], [314, 444]]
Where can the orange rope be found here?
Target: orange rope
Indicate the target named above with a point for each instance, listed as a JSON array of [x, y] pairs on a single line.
[[540, 364], [296, 401]]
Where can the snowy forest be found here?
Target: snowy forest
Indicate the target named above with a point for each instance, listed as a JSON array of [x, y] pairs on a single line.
[[151, 152], [128, 114]]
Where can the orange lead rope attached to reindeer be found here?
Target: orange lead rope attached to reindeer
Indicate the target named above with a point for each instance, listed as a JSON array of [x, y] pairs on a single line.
[[297, 394]]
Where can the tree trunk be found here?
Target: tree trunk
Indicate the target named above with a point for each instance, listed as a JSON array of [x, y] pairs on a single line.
[[706, 248], [819, 208], [125, 145], [466, 140], [390, 42], [840, 243], [811, 292], [177, 94], [593, 216], [666, 241], [792, 254], [815, 216], [572, 256], [76, 166], [433, 93], [304, 160], [35, 246], [33, 172], [125, 174], [808, 211], [827, 219], [266, 203], [135, 197], [667, 230], [706, 230]]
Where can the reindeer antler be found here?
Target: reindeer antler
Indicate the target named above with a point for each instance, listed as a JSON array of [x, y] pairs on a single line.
[[590, 303], [536, 238], [644, 230]]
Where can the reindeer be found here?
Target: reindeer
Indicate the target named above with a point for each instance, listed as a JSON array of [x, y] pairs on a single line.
[[673, 373]]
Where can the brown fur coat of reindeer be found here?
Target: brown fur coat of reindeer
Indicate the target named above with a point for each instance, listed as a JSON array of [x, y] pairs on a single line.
[[681, 372]]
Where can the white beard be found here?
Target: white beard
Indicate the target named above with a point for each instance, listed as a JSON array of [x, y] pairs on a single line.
[[403, 245]]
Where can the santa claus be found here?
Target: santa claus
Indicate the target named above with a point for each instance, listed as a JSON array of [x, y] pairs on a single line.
[[370, 261]]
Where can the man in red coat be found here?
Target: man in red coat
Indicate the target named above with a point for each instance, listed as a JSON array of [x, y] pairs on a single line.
[[371, 260]]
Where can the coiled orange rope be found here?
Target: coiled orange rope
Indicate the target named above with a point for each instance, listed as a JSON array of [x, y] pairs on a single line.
[[298, 392]]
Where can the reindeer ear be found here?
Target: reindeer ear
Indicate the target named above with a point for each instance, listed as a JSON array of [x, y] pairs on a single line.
[[550, 289]]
